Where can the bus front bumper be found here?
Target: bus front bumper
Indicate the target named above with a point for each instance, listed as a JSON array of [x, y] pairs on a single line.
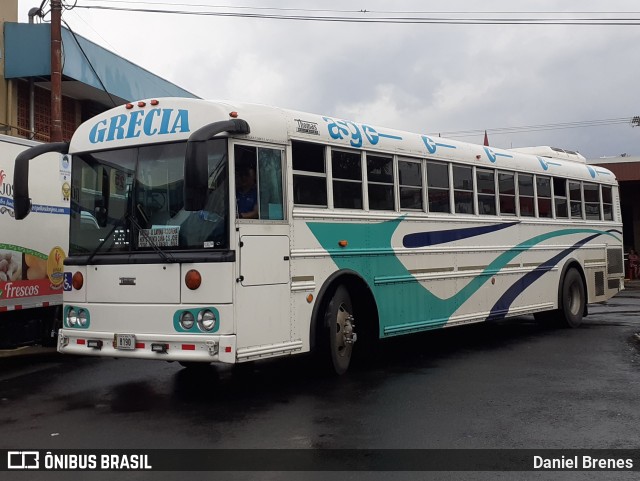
[[186, 348]]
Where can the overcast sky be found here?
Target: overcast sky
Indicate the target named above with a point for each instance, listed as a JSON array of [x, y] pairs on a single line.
[[423, 78]]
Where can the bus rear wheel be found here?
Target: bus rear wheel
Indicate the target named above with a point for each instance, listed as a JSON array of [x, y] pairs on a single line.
[[340, 335], [573, 299]]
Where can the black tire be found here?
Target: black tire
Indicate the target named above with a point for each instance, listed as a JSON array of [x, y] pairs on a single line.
[[573, 299], [338, 334]]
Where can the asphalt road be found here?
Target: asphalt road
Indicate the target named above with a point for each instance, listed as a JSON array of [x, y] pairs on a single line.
[[508, 384]]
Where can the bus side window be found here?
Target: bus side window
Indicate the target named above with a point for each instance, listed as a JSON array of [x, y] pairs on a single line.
[[591, 201], [309, 174], [486, 191], [380, 180], [575, 197], [347, 179], [438, 186], [607, 202], [270, 184], [259, 193], [543, 191], [560, 197], [507, 193], [463, 189], [525, 195]]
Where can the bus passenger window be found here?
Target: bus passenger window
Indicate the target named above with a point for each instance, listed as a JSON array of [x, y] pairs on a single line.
[[525, 195], [486, 192], [575, 200], [543, 185], [607, 203], [507, 193], [309, 174], [560, 197], [380, 180], [463, 189], [438, 186], [347, 179], [592, 201], [410, 185]]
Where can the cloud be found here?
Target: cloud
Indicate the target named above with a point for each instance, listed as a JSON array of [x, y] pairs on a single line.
[[433, 78]]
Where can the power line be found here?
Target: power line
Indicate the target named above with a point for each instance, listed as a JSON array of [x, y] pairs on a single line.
[[538, 128], [604, 21], [434, 12]]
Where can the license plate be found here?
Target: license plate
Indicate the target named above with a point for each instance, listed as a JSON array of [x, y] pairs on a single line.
[[125, 342]]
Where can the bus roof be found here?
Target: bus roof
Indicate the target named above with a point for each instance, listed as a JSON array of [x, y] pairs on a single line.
[[175, 119]]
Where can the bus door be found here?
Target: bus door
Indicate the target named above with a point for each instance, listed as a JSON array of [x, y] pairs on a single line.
[[262, 296]]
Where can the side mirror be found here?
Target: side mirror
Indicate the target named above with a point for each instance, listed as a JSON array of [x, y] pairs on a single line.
[[21, 199]]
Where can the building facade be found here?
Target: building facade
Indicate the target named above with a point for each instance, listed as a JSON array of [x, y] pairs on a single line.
[[93, 78]]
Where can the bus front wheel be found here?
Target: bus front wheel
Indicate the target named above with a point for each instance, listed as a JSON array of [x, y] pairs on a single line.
[[340, 334]]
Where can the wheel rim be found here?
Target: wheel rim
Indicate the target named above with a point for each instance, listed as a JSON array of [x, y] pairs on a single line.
[[344, 332], [574, 299]]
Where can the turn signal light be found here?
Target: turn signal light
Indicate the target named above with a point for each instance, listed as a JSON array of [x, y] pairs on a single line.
[[77, 280], [193, 279]]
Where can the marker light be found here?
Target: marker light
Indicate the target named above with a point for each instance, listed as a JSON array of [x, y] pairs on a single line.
[[77, 280], [154, 102], [233, 115], [141, 104], [343, 243], [192, 279], [128, 106], [206, 320]]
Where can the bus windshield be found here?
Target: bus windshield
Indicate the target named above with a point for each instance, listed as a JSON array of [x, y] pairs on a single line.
[[131, 200]]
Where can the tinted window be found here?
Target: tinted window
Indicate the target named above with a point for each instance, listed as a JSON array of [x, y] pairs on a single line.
[[410, 185]]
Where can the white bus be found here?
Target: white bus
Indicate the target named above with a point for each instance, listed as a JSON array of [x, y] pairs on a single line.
[[352, 233]]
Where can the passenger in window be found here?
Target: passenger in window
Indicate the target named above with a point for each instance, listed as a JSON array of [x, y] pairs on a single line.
[[247, 193]]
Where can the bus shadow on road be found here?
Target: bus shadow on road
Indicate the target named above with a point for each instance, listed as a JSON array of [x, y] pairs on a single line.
[[301, 374]]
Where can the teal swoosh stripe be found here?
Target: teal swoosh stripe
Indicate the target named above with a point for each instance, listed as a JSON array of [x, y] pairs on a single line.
[[404, 305]]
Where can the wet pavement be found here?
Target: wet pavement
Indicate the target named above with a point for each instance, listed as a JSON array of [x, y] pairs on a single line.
[[507, 384]]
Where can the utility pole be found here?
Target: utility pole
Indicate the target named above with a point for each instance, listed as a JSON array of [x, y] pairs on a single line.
[[55, 130]]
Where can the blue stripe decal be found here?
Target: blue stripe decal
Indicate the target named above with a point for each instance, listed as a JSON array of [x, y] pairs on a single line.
[[388, 136], [423, 239], [501, 307]]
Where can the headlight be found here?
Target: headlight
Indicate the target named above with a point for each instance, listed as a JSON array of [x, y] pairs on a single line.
[[72, 317], [206, 320], [186, 320], [82, 317]]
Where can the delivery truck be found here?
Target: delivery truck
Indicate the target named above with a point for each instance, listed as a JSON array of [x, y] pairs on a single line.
[[32, 251]]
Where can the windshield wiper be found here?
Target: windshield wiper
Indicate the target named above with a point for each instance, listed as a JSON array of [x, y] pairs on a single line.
[[166, 256], [106, 238]]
